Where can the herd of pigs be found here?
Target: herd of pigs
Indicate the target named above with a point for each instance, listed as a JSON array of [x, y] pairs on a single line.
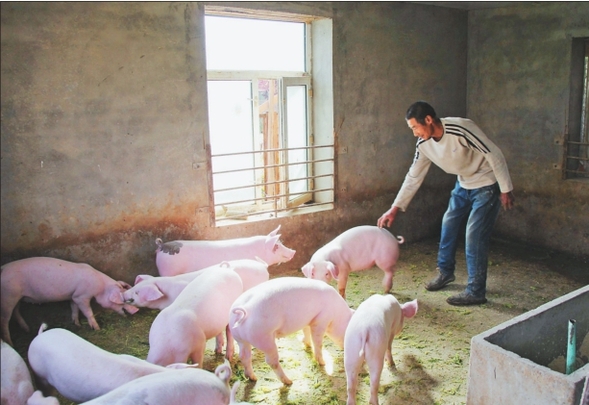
[[204, 288]]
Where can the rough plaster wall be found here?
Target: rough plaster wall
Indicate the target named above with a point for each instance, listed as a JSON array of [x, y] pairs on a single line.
[[518, 81], [104, 126]]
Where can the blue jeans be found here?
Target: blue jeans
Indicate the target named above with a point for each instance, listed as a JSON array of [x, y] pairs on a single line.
[[481, 206]]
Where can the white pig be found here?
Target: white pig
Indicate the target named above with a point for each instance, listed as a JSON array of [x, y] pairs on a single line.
[[79, 370], [369, 337], [183, 256], [175, 387], [280, 307], [358, 248], [160, 292], [199, 313], [17, 385], [45, 279], [38, 399]]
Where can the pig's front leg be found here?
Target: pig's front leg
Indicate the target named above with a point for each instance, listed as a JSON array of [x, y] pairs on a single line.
[[317, 337], [307, 336], [341, 283], [75, 313], [84, 306]]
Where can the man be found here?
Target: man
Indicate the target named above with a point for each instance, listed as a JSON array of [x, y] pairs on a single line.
[[457, 146]]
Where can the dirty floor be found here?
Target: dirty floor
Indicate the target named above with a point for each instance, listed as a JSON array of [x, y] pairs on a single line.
[[431, 354]]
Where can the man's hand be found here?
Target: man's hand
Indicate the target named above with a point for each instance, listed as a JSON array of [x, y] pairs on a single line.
[[387, 218], [507, 200]]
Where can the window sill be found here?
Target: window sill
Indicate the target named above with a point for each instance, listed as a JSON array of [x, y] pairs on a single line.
[[282, 214]]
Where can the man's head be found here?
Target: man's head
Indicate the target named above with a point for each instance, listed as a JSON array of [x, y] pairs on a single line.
[[423, 121]]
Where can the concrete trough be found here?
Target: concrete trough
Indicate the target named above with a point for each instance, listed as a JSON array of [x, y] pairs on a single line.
[[509, 363]]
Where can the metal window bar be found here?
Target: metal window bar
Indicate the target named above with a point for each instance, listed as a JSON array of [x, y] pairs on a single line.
[[272, 201]]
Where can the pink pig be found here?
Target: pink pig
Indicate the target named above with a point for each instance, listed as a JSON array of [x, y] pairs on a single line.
[[175, 387], [358, 248], [183, 256], [199, 313], [160, 292], [45, 279], [79, 370], [370, 336], [17, 385], [280, 307]]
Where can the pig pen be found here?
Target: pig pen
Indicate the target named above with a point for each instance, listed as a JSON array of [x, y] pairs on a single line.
[[431, 354]]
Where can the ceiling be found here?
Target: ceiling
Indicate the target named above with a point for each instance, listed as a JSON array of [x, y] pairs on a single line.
[[474, 5]]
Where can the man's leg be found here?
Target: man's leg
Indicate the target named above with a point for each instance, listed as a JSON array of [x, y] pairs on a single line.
[[485, 209], [458, 209]]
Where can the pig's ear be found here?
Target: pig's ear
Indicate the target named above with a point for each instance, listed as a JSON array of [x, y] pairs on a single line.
[[116, 297], [141, 277], [307, 270], [409, 309], [271, 241], [151, 293], [333, 270], [274, 232]]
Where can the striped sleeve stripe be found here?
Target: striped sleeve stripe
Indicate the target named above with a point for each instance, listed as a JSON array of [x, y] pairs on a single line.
[[471, 138]]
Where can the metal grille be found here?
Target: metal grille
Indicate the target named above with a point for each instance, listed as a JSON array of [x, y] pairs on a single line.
[[319, 191]]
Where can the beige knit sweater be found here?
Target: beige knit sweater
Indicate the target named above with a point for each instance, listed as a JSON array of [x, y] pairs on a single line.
[[465, 151]]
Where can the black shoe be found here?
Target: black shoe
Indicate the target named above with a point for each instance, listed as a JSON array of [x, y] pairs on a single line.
[[465, 298], [439, 282]]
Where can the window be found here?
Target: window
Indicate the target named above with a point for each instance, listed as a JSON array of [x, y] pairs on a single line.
[[269, 156], [576, 145]]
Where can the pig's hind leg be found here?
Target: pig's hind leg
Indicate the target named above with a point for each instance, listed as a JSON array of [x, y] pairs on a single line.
[[268, 346], [353, 367], [19, 318], [387, 280], [375, 361], [245, 356]]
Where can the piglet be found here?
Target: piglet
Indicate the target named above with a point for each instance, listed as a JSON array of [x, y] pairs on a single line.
[[358, 248], [280, 307], [17, 385], [199, 313], [79, 370], [160, 292], [183, 256], [369, 337], [175, 387], [45, 279]]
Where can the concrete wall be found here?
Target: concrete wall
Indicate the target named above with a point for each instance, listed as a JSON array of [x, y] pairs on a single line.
[[104, 125], [518, 88]]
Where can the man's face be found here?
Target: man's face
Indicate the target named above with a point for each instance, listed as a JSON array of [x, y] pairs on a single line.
[[421, 131]]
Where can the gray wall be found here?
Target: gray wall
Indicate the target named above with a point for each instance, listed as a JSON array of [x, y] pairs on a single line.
[[104, 126], [518, 89]]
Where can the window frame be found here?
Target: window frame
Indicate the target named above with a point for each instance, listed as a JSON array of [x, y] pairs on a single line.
[[297, 204], [576, 139]]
